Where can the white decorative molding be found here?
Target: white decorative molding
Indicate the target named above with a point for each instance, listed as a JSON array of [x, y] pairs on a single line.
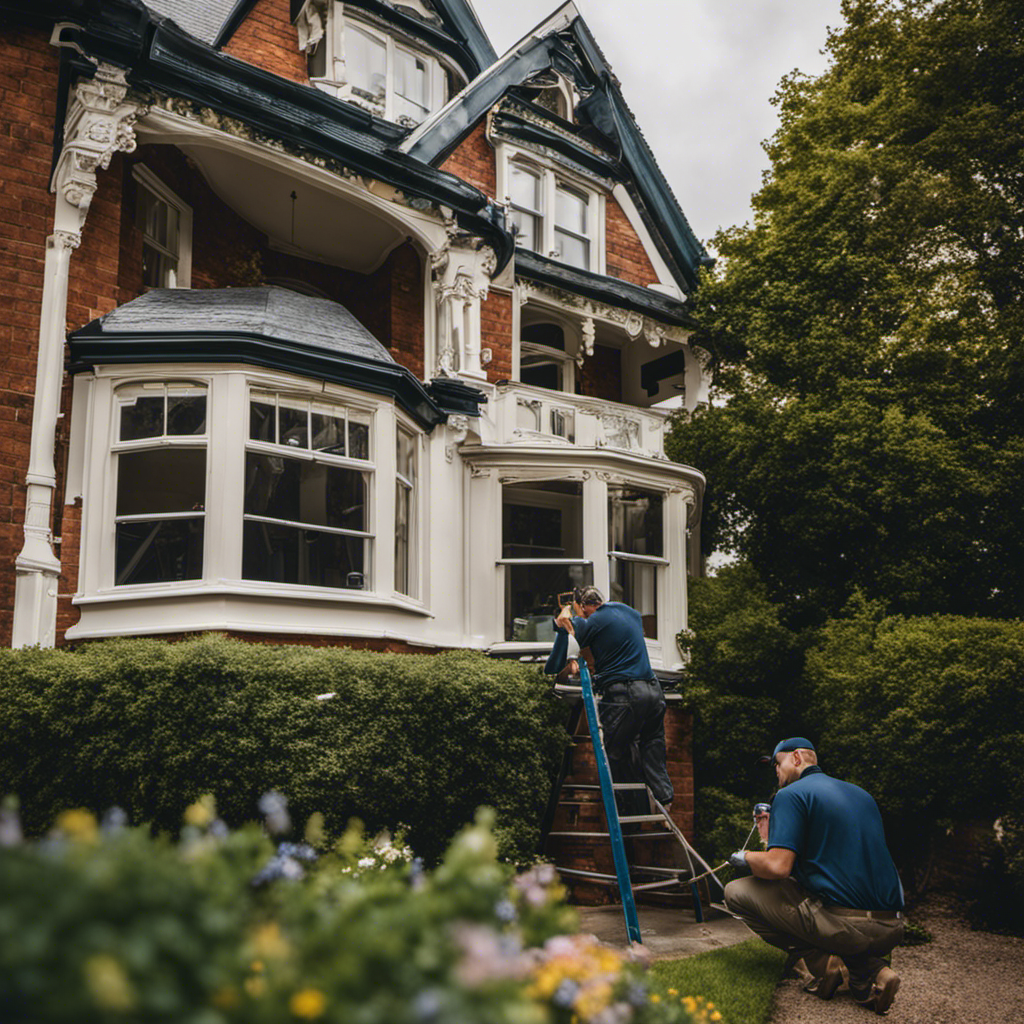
[[459, 427], [703, 357], [654, 333], [620, 431], [587, 333], [634, 325], [100, 122]]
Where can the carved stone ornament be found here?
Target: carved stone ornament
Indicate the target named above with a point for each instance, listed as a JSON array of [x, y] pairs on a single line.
[[66, 239], [654, 333], [459, 426], [589, 332], [634, 325], [488, 260], [100, 122], [703, 357], [479, 472], [620, 431]]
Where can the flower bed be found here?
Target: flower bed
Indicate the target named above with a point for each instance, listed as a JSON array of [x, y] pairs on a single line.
[[100, 922]]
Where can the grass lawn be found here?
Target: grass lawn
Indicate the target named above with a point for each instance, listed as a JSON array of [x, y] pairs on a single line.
[[739, 980]]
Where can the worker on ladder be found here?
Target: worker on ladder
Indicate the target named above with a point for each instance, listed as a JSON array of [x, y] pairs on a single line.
[[632, 707]]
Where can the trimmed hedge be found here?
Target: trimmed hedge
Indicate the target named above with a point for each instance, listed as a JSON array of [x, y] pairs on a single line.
[[150, 726]]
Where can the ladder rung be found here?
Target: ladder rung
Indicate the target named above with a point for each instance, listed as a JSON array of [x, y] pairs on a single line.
[[598, 876], [617, 786], [635, 819], [598, 835]]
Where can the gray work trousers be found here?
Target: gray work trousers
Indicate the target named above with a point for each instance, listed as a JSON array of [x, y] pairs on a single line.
[[793, 920]]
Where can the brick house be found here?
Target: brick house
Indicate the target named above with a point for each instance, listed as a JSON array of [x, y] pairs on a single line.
[[322, 322]]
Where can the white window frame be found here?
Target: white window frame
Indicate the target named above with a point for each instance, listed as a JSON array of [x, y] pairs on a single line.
[[336, 80], [146, 179], [552, 176], [415, 486]]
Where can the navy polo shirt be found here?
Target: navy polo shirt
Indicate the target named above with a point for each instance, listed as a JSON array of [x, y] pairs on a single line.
[[615, 635], [835, 830]]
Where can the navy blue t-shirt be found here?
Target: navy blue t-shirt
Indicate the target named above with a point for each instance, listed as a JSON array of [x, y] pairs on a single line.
[[835, 829], [615, 635]]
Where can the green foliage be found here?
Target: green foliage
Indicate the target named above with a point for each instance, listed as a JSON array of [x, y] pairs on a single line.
[[925, 713], [868, 424], [149, 726], [739, 981], [724, 820], [112, 925]]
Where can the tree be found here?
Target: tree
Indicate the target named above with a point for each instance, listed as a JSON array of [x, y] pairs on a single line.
[[867, 429]]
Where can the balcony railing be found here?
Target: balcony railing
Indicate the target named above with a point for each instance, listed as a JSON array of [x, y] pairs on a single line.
[[533, 415]]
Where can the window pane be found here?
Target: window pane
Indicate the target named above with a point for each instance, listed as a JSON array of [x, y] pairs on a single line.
[[328, 431], [288, 554], [412, 84], [542, 520], [570, 210], [403, 527], [262, 421], [524, 187], [406, 455], [186, 414], [531, 592], [634, 521], [142, 418], [161, 480], [573, 251], [636, 584], [305, 492], [365, 62], [527, 230], [158, 269], [541, 373], [293, 423], [159, 551], [358, 436]]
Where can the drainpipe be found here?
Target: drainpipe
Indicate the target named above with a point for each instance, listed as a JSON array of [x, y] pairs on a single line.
[[99, 123]]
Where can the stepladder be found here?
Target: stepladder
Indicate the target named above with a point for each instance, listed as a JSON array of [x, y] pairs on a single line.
[[610, 837]]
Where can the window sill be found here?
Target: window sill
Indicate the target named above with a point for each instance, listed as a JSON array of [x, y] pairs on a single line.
[[289, 593]]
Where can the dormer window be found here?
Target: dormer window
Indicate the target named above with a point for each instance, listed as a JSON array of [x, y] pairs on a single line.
[[551, 215], [367, 65]]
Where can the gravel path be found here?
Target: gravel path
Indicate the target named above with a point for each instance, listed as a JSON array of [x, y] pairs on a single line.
[[961, 977]]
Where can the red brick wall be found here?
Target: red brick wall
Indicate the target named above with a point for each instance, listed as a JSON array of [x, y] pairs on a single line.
[[625, 256], [405, 272], [268, 39], [496, 334], [473, 161], [601, 376], [28, 89]]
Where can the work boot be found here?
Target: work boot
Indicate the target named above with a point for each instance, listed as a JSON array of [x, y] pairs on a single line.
[[883, 991], [824, 985]]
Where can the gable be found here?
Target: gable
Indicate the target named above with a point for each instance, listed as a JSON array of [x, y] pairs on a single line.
[[605, 140]]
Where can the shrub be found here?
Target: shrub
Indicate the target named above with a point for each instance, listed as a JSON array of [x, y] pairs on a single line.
[[925, 713], [150, 726], [112, 925]]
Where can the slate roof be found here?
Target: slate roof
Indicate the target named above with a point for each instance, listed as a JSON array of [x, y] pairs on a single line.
[[268, 312], [200, 18]]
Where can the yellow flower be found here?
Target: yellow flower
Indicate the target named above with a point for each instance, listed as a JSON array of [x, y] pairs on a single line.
[[308, 1003], [202, 812], [268, 943], [108, 984], [255, 987], [716, 1016], [593, 999], [673, 991], [655, 998], [79, 825]]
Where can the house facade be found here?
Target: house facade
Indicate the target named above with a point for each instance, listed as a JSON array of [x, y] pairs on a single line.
[[322, 321]]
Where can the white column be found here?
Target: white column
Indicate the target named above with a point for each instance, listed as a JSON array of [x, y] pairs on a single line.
[[98, 124]]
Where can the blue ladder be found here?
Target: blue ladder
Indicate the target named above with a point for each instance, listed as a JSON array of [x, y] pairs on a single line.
[[611, 811]]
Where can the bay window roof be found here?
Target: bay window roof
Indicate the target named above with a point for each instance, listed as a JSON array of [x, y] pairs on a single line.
[[266, 326]]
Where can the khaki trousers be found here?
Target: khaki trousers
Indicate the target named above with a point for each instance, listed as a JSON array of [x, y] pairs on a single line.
[[791, 919]]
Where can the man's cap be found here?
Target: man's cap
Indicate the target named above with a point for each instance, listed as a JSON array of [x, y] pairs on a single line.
[[793, 743]]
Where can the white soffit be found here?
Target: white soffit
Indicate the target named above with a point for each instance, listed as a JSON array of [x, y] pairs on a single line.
[[318, 225]]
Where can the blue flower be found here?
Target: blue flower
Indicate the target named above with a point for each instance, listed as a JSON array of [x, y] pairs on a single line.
[[505, 910], [565, 994]]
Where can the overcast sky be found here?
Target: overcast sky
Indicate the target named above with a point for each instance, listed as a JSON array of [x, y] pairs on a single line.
[[698, 75]]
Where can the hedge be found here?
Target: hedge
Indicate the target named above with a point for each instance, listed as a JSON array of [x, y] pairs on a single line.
[[147, 725]]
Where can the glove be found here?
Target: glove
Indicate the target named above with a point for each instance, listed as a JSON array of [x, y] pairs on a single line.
[[738, 860]]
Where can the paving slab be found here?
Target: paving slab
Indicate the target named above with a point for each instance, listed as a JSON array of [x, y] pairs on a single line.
[[667, 934]]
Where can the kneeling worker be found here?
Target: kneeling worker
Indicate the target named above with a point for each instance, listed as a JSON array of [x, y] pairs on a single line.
[[826, 889], [632, 704]]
